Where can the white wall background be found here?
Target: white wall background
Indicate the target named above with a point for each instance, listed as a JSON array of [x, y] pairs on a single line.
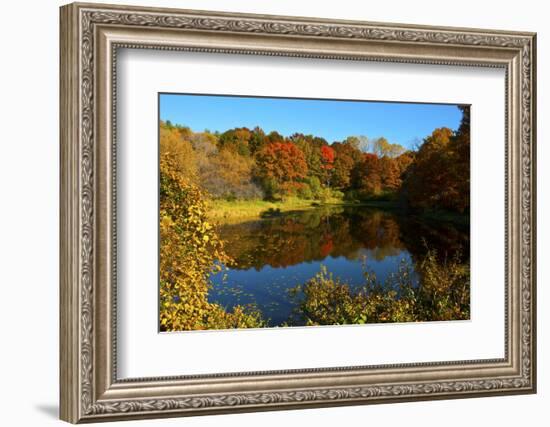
[[29, 171]]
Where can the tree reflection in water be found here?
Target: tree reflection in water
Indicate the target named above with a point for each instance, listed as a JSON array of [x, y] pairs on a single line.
[[274, 254]]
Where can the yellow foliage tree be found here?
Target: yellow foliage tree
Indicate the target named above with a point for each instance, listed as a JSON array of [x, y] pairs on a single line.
[[175, 143], [190, 251]]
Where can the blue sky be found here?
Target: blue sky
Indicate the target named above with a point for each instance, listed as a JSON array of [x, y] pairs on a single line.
[[402, 123]]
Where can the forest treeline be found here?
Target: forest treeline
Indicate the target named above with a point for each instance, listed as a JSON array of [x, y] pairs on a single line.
[[249, 164]]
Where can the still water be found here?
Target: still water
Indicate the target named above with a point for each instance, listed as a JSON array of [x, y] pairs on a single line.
[[273, 255]]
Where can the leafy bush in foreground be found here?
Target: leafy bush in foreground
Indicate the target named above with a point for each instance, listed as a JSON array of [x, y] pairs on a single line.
[[190, 250], [443, 294]]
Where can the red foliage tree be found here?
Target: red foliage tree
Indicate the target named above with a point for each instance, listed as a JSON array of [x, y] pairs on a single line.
[[328, 155], [327, 163]]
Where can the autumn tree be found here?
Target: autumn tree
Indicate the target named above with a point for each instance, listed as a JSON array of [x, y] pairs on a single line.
[[404, 161], [236, 140], [390, 174], [205, 145], [257, 140], [362, 142], [439, 176], [460, 171], [367, 176], [312, 152], [429, 182], [229, 175], [279, 166], [327, 163], [274, 136], [174, 145], [347, 154], [379, 146], [383, 148]]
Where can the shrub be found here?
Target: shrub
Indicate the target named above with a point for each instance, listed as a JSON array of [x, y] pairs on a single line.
[[337, 194], [443, 294], [324, 195], [305, 192], [190, 250], [314, 185]]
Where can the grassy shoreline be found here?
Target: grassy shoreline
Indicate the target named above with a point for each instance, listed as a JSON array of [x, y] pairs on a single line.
[[238, 210], [229, 211]]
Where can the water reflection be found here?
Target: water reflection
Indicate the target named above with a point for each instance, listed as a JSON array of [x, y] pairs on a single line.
[[274, 254]]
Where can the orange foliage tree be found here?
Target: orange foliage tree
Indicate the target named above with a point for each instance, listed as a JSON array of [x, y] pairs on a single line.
[[280, 166], [346, 156], [367, 175], [439, 177]]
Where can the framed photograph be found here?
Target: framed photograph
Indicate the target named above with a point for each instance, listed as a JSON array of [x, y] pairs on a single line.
[[266, 212]]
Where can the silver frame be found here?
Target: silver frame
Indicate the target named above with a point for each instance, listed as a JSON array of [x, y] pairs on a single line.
[[90, 37]]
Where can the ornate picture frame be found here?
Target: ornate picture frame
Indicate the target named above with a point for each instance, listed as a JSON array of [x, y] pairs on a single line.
[[90, 37]]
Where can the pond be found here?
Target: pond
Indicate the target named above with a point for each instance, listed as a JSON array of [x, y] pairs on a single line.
[[273, 255]]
